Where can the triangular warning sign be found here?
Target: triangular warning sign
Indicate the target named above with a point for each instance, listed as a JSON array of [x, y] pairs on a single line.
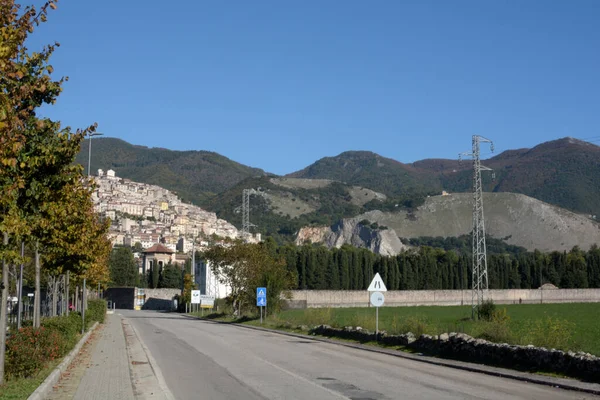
[[261, 293], [377, 284]]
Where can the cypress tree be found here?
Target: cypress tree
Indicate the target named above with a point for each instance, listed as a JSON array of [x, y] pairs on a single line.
[[344, 269]]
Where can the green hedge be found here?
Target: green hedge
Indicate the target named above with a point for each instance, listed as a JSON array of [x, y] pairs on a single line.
[[29, 350], [96, 312], [68, 327]]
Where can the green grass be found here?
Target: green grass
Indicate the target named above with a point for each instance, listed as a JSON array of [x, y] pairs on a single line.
[[17, 389], [562, 326]]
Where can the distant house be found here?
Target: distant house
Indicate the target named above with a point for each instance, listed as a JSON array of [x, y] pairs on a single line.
[[157, 254]]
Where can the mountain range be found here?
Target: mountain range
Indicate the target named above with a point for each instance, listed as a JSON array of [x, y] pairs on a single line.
[[563, 173]]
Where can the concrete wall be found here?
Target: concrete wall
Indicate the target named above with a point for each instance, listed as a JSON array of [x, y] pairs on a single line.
[[352, 298], [159, 299], [122, 298]]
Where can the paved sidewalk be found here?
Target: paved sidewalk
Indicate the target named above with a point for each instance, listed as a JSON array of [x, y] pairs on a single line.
[[108, 375]]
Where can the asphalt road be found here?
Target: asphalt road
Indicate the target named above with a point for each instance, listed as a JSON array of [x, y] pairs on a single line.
[[204, 360]]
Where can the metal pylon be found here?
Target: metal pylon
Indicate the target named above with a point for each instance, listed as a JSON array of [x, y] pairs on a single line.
[[480, 274], [246, 213]]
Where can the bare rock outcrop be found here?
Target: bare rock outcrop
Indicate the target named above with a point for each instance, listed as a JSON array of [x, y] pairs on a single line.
[[351, 231]]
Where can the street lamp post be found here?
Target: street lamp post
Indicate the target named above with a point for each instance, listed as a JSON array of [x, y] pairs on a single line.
[[91, 135], [83, 300]]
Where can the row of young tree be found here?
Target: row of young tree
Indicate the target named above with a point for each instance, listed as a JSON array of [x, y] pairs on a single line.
[[350, 268], [45, 200]]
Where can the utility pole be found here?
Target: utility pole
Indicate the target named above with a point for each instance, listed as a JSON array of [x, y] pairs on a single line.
[[91, 135], [193, 269], [480, 275], [20, 292]]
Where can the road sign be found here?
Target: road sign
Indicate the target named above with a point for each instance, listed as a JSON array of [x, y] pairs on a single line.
[[261, 296], [261, 300], [377, 299], [377, 284], [207, 301], [195, 297]]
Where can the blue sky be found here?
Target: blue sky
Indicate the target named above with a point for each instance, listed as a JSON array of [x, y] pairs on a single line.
[[279, 84]]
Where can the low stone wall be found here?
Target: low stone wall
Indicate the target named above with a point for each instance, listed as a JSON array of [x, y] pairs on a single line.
[[394, 298], [464, 347]]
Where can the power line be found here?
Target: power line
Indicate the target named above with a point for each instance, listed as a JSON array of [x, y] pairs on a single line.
[[479, 274]]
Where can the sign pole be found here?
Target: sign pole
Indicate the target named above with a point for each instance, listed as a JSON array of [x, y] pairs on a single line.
[[376, 323], [376, 289], [261, 301]]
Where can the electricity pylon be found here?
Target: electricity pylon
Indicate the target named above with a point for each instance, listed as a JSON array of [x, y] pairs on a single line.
[[246, 213], [480, 274]]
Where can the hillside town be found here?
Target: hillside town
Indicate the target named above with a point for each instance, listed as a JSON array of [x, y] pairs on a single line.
[[148, 214]]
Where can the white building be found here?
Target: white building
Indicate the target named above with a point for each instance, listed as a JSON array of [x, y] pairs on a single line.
[[207, 281]]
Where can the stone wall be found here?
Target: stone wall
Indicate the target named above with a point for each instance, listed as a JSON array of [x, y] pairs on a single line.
[[355, 298], [464, 347]]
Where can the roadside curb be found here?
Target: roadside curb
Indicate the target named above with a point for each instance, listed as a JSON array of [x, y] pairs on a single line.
[[46, 387], [562, 383]]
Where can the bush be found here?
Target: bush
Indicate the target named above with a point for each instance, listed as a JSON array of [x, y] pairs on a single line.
[[551, 333], [68, 327], [497, 331], [29, 350], [486, 310], [417, 324], [96, 312]]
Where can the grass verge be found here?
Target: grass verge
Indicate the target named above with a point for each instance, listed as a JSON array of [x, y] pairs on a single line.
[[22, 388], [562, 326]]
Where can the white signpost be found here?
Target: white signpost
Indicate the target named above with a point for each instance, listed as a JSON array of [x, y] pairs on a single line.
[[195, 297], [377, 298]]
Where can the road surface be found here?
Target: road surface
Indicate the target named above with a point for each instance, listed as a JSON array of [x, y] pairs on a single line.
[[205, 360]]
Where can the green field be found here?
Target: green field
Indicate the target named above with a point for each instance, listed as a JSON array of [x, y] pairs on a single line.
[[562, 326]]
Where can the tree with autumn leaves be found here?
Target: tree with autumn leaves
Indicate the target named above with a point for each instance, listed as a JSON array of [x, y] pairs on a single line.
[[45, 201]]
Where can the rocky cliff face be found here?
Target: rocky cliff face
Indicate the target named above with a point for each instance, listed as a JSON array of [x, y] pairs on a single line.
[[351, 231], [515, 218]]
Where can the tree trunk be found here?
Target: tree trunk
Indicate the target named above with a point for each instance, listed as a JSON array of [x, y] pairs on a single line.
[[37, 301], [3, 312], [67, 293], [54, 297]]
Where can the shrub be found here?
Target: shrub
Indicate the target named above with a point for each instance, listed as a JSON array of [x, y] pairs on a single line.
[[497, 331], [363, 320], [96, 311], [30, 349], [551, 333], [417, 324], [68, 327], [486, 310]]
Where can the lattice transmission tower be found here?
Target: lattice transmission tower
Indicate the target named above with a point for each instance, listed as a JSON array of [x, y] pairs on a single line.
[[246, 225], [480, 274]]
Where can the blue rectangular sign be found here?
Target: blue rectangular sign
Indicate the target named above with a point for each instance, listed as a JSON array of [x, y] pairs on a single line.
[[261, 297]]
